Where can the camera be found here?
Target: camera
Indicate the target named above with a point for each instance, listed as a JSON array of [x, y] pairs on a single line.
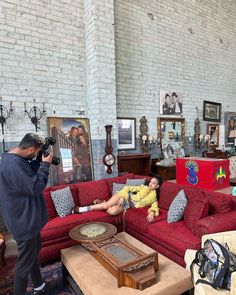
[[50, 141]]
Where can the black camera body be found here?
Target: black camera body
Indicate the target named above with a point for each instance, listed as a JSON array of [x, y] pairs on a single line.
[[50, 141]]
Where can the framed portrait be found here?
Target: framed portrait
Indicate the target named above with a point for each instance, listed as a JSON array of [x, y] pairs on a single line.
[[211, 111], [126, 133], [213, 132], [73, 146], [230, 124], [171, 103]]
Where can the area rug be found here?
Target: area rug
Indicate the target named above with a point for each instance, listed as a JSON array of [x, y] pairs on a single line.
[[52, 271]]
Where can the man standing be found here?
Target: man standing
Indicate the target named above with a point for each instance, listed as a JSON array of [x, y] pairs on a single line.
[[22, 181]]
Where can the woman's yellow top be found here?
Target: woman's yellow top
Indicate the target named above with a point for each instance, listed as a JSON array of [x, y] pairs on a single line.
[[143, 197]]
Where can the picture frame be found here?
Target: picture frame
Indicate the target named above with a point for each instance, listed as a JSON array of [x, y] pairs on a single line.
[[211, 111], [126, 133], [230, 124], [213, 132], [171, 103], [73, 147]]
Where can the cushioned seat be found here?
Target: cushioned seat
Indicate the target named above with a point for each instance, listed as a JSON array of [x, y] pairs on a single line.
[[228, 237]]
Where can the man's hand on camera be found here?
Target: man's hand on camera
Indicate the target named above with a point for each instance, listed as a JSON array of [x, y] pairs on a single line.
[[48, 158]]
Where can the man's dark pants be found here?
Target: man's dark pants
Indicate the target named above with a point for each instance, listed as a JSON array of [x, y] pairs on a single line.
[[27, 264]]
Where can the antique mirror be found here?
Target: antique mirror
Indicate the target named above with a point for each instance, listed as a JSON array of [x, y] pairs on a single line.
[[213, 132], [171, 133]]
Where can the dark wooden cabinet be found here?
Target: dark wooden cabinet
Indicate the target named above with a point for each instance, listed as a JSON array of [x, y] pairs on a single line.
[[135, 163], [167, 172]]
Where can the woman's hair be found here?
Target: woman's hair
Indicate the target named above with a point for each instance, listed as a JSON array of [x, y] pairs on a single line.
[[159, 179]]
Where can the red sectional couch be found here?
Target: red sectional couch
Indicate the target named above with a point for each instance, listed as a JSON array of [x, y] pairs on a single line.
[[206, 212]]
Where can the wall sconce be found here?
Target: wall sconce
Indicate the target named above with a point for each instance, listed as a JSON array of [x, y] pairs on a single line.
[[147, 142], [4, 114], [35, 114]]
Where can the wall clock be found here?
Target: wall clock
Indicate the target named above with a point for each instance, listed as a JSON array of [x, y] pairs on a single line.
[[109, 158]]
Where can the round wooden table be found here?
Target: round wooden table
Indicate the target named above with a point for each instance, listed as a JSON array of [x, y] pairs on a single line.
[[2, 248]]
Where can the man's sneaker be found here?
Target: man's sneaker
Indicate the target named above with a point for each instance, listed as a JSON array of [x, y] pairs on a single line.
[[47, 290]]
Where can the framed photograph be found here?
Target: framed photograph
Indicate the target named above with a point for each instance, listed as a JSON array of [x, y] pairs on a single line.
[[213, 132], [171, 103], [211, 111], [126, 130], [230, 124], [73, 146]]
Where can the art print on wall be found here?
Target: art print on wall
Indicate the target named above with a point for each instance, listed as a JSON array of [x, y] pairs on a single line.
[[171, 103], [211, 111], [73, 146], [230, 124], [126, 129]]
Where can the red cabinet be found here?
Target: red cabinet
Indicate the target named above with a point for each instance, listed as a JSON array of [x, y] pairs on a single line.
[[206, 173]]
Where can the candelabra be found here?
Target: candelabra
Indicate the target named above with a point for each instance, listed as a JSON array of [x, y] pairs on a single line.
[[147, 142], [4, 114], [35, 114]]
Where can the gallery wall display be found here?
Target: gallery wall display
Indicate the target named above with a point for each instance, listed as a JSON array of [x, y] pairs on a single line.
[[73, 146], [230, 124], [126, 129], [171, 103], [211, 111]]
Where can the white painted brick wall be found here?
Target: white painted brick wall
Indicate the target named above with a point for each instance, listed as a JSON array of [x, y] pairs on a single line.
[[42, 56], [161, 54]]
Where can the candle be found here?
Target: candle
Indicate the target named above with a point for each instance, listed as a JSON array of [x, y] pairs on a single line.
[[0, 100], [11, 105], [25, 105]]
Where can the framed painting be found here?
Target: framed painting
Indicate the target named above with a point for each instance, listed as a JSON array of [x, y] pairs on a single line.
[[171, 103], [73, 146], [126, 133], [213, 132], [230, 124], [211, 111]]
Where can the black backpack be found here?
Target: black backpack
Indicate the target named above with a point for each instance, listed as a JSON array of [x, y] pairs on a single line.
[[216, 263]]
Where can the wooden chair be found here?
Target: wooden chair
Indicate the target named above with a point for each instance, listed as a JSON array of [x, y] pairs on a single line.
[[2, 248]]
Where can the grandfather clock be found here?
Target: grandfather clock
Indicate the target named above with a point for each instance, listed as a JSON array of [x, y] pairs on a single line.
[[109, 158]]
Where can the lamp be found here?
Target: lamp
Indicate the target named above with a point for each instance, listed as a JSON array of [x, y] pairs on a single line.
[[232, 134], [4, 114], [35, 114]]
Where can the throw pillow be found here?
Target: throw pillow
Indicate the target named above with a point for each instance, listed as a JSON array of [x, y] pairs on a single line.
[[117, 187], [136, 182], [196, 209], [63, 201], [177, 207]]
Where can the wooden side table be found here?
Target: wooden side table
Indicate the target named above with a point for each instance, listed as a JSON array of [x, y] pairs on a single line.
[[2, 248], [167, 172]]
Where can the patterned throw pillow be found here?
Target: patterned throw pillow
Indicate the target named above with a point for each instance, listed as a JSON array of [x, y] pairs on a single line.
[[63, 201], [135, 182], [177, 207], [117, 187]]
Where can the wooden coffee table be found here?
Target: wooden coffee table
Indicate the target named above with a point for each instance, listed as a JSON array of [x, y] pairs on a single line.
[[93, 279]]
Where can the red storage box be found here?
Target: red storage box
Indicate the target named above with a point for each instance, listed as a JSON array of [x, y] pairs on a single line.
[[206, 173]]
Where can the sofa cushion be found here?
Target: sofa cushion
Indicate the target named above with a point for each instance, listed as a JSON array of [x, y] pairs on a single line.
[[136, 182], [177, 207], [140, 214], [63, 201], [168, 192], [118, 179], [197, 207], [60, 226], [218, 202], [92, 190], [117, 187], [48, 200], [102, 216], [175, 237]]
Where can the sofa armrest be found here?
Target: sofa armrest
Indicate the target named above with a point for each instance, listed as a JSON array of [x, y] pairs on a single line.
[[216, 223]]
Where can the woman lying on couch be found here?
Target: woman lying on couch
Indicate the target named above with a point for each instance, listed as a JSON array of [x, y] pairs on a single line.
[[130, 197]]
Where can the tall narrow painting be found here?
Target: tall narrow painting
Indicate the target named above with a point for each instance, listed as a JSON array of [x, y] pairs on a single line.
[[73, 146]]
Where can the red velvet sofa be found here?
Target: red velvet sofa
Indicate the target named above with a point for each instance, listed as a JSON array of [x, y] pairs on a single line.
[[206, 212]]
